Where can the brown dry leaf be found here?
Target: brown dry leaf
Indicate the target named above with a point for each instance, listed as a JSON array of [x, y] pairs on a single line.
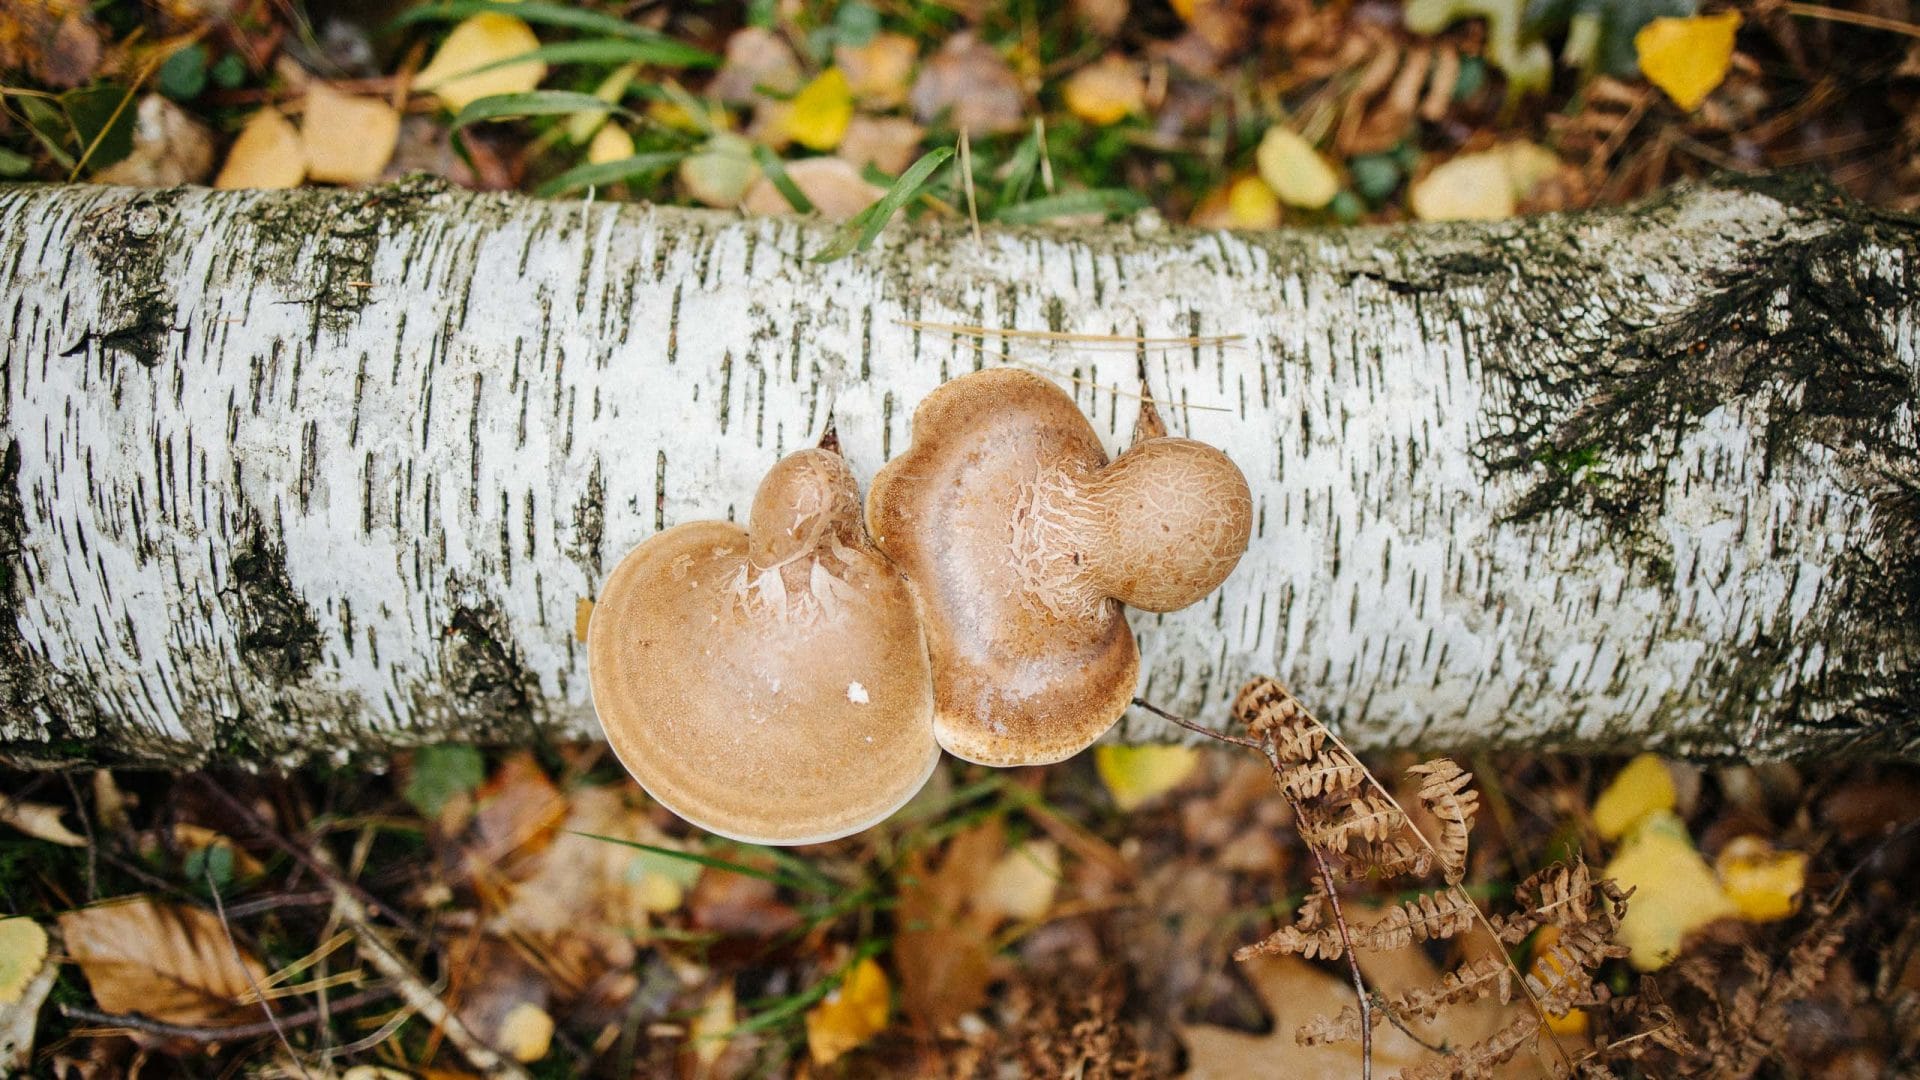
[[516, 814], [1024, 881], [167, 961], [349, 138], [55, 41], [888, 143], [835, 187], [40, 821], [970, 84], [584, 885], [268, 154], [757, 59], [170, 148], [944, 948], [879, 71], [738, 905]]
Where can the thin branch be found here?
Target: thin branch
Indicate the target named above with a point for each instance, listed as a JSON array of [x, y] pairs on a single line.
[[1191, 726], [240, 958], [234, 1033]]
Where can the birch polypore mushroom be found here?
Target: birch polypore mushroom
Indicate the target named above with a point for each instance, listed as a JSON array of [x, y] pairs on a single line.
[[768, 684], [1021, 542]]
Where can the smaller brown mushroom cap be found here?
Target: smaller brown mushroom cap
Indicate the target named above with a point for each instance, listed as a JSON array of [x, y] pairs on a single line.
[[769, 684], [1021, 541]]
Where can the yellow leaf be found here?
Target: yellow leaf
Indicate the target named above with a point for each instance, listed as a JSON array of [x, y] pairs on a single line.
[[1251, 204], [850, 1014], [1528, 165], [477, 42], [348, 138], [1545, 968], [1687, 57], [1760, 881], [1295, 171], [1641, 788], [1137, 774], [821, 111], [23, 948], [1106, 92], [610, 143], [526, 1032], [1675, 891], [712, 1024], [1023, 882], [268, 154]]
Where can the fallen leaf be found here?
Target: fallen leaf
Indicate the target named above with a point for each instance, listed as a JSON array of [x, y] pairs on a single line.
[[349, 138], [1295, 170], [721, 172], [476, 42], [583, 125], [738, 905], [878, 71], [1471, 187], [944, 947], [1675, 891], [1251, 204], [23, 948], [835, 187], [40, 821], [1547, 968], [55, 41], [526, 1033], [1643, 787], [1687, 57], [708, 1034], [819, 113], [268, 154], [1107, 91], [1024, 881], [199, 843], [610, 143], [757, 61], [1135, 775], [969, 84], [110, 803], [1762, 883], [850, 1014], [517, 813], [1106, 17], [888, 143], [170, 148], [167, 961]]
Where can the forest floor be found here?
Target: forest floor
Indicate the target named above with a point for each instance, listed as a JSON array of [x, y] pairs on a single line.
[[464, 910]]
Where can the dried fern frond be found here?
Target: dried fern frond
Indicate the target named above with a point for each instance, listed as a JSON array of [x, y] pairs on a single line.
[[1433, 916], [1294, 941], [1559, 978], [1560, 894], [1327, 772], [1478, 1059], [1367, 817], [1490, 976], [1446, 791], [1271, 713], [1393, 857]]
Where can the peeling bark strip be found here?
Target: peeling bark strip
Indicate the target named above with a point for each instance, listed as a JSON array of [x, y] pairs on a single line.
[[300, 473]]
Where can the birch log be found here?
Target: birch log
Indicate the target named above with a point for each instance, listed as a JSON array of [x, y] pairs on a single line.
[[306, 473]]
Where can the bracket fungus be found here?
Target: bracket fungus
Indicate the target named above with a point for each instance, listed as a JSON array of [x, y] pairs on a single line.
[[1021, 542], [769, 684]]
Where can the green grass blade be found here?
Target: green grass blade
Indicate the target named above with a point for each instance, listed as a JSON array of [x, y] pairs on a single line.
[[543, 13], [662, 52], [790, 1007], [711, 862], [533, 103], [859, 233], [1098, 201], [776, 171], [609, 172]]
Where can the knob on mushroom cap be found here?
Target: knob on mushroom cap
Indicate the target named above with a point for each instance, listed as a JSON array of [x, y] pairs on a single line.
[[768, 684], [1017, 536]]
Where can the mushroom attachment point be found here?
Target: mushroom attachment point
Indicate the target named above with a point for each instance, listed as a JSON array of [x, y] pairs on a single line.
[[1021, 541], [769, 684]]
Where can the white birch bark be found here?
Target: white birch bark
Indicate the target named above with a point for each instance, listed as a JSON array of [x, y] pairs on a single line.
[[306, 473]]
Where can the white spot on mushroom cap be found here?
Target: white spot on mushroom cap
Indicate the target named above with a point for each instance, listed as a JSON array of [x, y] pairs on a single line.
[[857, 693]]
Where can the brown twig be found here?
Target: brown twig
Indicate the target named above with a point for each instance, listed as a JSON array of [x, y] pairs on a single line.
[[1191, 726], [240, 958], [235, 1033]]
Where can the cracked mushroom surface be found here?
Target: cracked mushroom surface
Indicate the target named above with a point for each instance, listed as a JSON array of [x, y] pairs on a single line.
[[769, 683], [1021, 542]]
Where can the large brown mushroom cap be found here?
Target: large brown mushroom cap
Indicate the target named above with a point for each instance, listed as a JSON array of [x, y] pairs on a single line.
[[1017, 537], [769, 684]]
